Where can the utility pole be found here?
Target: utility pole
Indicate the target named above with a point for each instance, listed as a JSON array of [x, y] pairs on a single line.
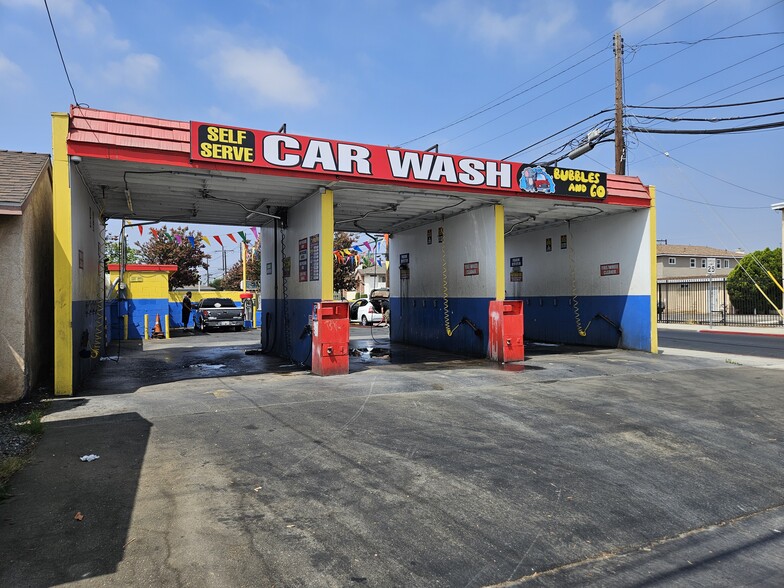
[[620, 145]]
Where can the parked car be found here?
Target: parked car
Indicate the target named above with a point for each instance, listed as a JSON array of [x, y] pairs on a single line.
[[372, 310], [214, 313]]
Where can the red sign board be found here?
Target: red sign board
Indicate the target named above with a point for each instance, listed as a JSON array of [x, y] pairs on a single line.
[[331, 158], [610, 269], [471, 269]]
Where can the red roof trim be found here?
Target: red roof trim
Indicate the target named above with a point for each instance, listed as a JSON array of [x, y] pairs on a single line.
[[143, 267], [127, 137]]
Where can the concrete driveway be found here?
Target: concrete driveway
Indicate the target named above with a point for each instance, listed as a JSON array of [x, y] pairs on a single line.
[[577, 467]]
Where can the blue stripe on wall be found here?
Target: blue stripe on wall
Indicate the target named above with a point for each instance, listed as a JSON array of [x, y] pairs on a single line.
[[551, 319], [420, 321], [273, 333]]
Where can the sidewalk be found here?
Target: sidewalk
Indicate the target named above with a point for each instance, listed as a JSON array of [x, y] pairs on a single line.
[[777, 331]]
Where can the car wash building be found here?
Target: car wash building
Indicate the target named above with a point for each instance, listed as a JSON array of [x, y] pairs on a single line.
[[476, 246]]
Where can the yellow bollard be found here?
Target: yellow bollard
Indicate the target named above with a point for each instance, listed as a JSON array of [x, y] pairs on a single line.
[[254, 318], [146, 326], [166, 322], [125, 327]]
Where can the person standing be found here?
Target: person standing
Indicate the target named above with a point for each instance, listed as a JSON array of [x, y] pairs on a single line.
[[187, 306]]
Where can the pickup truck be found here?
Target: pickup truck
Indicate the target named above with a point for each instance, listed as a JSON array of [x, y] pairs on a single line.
[[217, 313]]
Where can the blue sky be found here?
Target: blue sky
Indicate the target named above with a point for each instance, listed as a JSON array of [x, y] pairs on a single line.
[[389, 72]]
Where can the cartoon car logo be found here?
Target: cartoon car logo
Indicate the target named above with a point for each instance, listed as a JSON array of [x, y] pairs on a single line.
[[536, 179]]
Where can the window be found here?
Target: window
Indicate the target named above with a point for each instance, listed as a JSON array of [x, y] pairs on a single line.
[[726, 263], [693, 262], [703, 262], [671, 261]]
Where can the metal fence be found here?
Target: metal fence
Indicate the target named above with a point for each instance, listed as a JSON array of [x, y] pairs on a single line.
[[705, 301]]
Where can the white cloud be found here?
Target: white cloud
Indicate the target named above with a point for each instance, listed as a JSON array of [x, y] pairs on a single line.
[[268, 74], [524, 25], [649, 21], [89, 22], [137, 71], [11, 75]]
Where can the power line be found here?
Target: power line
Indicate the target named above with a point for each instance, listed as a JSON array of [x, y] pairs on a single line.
[[689, 47], [558, 133], [709, 105], [60, 51], [715, 73], [773, 125], [712, 120], [660, 191], [489, 105], [718, 179], [637, 46]]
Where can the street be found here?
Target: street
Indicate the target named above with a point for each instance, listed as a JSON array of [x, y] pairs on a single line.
[[767, 345]]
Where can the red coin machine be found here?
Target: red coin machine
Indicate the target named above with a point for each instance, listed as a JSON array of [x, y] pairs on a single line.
[[330, 338], [506, 331]]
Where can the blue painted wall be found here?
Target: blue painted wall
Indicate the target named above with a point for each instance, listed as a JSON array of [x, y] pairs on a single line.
[[420, 321], [136, 308], [551, 319]]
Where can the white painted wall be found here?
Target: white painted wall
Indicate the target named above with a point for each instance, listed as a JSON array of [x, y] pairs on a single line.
[[86, 226], [622, 238], [468, 237]]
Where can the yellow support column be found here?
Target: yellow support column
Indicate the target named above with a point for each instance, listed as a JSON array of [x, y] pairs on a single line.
[[166, 322], [654, 310], [500, 293], [146, 326], [327, 243], [63, 257]]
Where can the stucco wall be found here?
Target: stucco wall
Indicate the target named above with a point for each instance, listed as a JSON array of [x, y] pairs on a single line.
[[26, 269], [39, 284], [12, 328]]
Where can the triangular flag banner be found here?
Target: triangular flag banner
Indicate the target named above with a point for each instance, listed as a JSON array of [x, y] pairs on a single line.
[[232, 237], [154, 233], [218, 239], [167, 235], [141, 229], [357, 248], [387, 262], [242, 236], [205, 239], [255, 233], [378, 260], [366, 244], [192, 240], [178, 238]]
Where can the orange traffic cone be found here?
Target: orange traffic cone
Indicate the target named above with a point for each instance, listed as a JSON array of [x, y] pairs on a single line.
[[157, 332]]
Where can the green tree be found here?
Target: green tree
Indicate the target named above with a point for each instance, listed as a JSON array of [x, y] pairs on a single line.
[[233, 278], [343, 275], [112, 251], [173, 247], [744, 295]]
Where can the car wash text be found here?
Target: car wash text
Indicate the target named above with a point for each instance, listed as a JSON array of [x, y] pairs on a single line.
[[337, 159]]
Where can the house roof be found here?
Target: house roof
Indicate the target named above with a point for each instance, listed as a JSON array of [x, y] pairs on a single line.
[[19, 171], [695, 251]]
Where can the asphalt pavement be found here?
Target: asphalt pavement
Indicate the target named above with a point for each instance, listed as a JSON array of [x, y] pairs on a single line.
[[575, 467]]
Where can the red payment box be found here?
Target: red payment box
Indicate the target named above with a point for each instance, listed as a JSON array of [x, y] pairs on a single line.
[[330, 338], [506, 331]]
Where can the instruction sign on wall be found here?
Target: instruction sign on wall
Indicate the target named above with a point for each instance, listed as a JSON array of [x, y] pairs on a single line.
[[471, 268], [314, 258], [303, 260], [610, 269]]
